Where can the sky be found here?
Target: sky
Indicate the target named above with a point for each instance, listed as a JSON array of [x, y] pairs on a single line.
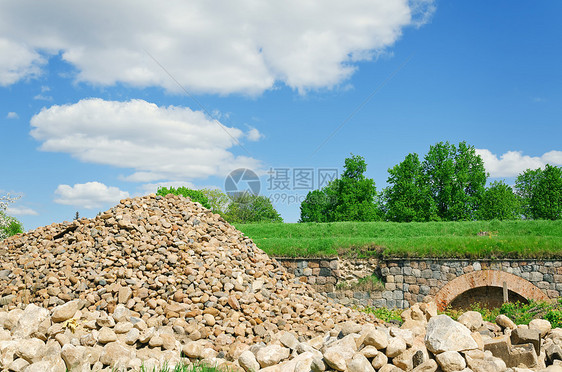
[[101, 101]]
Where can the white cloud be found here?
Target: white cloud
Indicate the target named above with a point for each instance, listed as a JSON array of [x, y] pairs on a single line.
[[17, 60], [159, 143], [89, 195], [21, 211], [12, 115], [513, 163], [228, 46], [254, 135], [41, 97]]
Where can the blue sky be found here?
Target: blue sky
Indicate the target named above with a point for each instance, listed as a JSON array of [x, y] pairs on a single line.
[[113, 101]]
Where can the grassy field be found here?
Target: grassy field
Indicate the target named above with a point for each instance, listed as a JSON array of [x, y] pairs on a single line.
[[473, 239]]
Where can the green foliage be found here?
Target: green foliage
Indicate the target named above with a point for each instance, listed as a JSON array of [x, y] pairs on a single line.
[[184, 367], [522, 313], [499, 202], [218, 200], [317, 205], [249, 208], [541, 192], [408, 197], [555, 318], [195, 195], [10, 226], [456, 178], [384, 314], [488, 315], [350, 198]]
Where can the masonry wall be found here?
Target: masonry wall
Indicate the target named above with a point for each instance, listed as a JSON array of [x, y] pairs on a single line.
[[407, 281]]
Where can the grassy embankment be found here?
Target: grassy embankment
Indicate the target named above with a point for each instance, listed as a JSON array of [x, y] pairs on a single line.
[[472, 239]]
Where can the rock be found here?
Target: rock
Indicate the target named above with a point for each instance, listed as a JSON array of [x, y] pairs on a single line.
[[444, 334], [192, 349], [27, 322], [271, 355], [317, 365], [450, 361], [31, 349], [504, 322], [369, 351], [525, 336], [471, 320], [115, 354], [553, 352], [513, 356], [289, 340], [74, 357], [18, 365], [65, 311], [428, 366], [247, 360], [379, 361], [376, 338], [395, 347], [47, 366], [359, 364], [541, 325], [106, 335]]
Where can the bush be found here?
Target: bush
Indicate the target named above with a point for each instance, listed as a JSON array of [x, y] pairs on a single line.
[[384, 314], [555, 318], [248, 208], [194, 195]]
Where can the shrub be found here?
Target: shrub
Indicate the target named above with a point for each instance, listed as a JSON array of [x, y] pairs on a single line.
[[194, 195], [555, 318]]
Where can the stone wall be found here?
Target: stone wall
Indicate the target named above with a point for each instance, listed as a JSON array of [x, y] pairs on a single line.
[[407, 281]]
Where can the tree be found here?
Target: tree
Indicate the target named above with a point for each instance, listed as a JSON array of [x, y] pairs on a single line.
[[194, 195], [350, 198], [9, 226], [456, 178], [541, 192], [408, 197], [499, 202], [249, 208], [316, 206], [218, 200]]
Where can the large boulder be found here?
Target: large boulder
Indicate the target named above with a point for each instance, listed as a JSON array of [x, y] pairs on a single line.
[[444, 334]]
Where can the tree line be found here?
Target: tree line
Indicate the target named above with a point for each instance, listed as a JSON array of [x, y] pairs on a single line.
[[449, 184]]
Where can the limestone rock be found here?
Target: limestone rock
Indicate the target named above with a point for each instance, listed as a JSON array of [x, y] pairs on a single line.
[[271, 355], [247, 360], [471, 320], [444, 334], [541, 325], [504, 322], [359, 364], [65, 311], [451, 361]]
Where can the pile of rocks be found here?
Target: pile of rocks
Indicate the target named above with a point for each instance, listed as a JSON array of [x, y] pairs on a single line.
[[165, 258], [69, 338], [425, 342]]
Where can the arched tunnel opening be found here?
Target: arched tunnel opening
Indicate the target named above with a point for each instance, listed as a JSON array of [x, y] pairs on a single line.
[[487, 296]]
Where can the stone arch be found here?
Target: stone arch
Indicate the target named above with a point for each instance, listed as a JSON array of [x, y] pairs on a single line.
[[487, 278]]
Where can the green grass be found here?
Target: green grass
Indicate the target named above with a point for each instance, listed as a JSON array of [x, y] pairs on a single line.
[[497, 239], [184, 368]]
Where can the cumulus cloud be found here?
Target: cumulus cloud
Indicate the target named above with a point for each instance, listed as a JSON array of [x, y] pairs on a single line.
[[254, 135], [12, 115], [89, 195], [513, 163], [21, 211], [159, 143], [228, 46]]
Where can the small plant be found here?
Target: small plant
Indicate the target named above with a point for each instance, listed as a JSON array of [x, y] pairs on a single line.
[[554, 317], [368, 283], [384, 314]]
